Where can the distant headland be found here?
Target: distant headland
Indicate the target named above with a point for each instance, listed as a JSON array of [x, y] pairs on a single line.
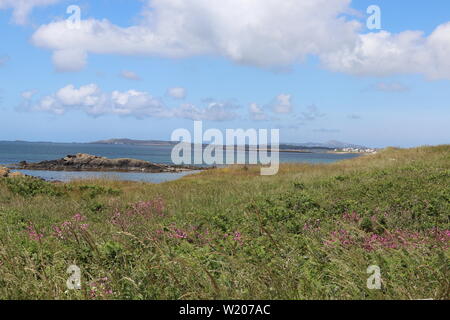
[[330, 146]]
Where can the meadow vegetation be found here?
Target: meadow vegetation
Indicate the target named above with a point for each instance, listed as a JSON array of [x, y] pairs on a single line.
[[309, 232]]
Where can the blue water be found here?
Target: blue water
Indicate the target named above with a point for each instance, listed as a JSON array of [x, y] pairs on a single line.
[[14, 152], [127, 176]]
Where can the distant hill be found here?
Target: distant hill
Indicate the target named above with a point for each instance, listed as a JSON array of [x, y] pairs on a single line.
[[330, 145]]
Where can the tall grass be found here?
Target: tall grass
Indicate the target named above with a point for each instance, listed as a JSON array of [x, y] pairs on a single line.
[[308, 233]]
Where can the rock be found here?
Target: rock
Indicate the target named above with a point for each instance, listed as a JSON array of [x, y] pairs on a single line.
[[16, 175], [4, 172], [87, 162]]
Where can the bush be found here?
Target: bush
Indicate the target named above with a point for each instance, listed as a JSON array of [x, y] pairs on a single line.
[[30, 187]]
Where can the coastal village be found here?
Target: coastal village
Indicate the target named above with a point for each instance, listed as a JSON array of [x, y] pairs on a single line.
[[356, 150]]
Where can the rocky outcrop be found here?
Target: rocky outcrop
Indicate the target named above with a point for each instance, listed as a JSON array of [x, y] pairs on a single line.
[[6, 173], [87, 162], [16, 175]]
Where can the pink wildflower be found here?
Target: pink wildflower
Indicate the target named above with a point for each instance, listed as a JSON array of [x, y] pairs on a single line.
[[179, 234], [33, 234], [78, 217], [351, 217], [238, 237]]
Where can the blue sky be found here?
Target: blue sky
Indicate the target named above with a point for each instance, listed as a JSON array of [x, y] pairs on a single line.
[[311, 69]]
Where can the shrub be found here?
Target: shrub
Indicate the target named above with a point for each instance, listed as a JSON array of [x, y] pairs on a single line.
[[30, 187]]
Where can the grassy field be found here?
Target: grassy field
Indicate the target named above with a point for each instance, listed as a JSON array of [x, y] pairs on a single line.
[[310, 232]]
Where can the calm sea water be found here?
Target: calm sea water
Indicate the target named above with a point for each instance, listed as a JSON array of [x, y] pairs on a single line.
[[14, 152]]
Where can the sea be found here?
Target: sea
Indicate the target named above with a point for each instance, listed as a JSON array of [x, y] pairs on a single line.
[[14, 152]]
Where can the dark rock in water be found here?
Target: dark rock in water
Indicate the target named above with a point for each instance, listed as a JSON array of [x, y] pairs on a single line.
[[87, 162]]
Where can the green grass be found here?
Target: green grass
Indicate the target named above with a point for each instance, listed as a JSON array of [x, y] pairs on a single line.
[[309, 232]]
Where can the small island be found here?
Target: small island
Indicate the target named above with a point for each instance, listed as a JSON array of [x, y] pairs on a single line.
[[87, 162]]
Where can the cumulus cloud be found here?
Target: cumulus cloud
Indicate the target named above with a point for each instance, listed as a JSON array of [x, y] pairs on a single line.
[[68, 60], [214, 111], [257, 113], [266, 33], [177, 93], [130, 75], [95, 102], [26, 103], [384, 54], [282, 104], [22, 8]]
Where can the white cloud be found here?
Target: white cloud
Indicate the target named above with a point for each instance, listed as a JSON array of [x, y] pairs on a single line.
[[69, 59], [137, 104], [95, 102], [215, 111], [384, 54], [22, 8], [27, 95], [266, 33], [269, 34], [130, 75], [177, 93], [282, 104], [257, 113], [26, 102]]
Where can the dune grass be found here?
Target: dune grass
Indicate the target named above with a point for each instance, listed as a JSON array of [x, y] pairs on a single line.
[[309, 232]]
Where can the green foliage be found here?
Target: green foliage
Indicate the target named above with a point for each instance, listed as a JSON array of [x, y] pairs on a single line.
[[111, 250], [232, 234], [30, 187], [366, 225], [93, 191]]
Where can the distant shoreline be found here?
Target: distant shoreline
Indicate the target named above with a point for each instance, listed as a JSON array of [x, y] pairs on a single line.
[[283, 147]]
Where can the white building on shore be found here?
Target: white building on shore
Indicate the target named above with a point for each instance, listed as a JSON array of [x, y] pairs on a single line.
[[356, 150]]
